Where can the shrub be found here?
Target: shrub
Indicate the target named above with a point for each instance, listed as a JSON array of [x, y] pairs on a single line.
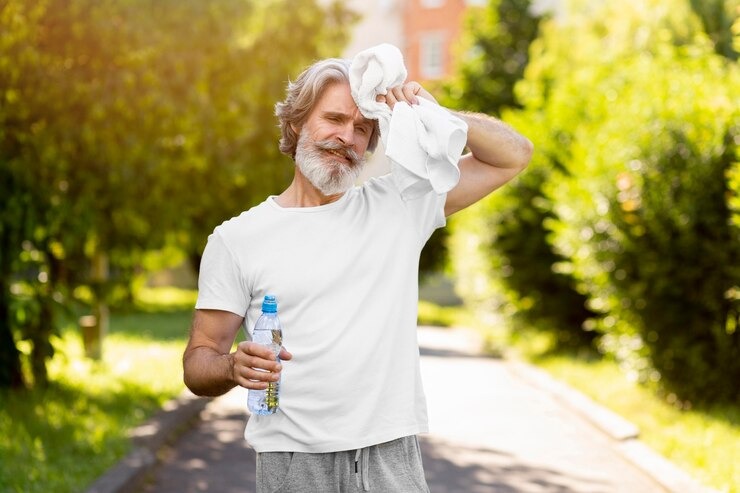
[[642, 215]]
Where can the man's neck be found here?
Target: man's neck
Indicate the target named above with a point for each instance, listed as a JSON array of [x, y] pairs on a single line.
[[301, 193]]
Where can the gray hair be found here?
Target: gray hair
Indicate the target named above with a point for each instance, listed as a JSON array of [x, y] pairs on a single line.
[[303, 94]]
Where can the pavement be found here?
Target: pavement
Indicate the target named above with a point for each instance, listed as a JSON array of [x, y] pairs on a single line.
[[496, 426]]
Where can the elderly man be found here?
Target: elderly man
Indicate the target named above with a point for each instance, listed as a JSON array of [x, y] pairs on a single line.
[[343, 262]]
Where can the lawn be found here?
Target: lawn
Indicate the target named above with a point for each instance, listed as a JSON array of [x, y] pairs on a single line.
[[62, 438], [703, 442]]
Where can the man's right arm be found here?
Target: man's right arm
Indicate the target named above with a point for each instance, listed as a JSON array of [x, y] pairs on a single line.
[[209, 368]]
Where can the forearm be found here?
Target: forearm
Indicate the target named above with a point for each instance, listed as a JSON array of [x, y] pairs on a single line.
[[207, 372], [493, 142]]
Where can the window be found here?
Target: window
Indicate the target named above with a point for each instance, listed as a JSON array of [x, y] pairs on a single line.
[[431, 56]]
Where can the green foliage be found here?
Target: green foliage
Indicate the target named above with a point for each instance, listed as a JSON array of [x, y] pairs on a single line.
[[126, 126], [678, 262], [63, 437], [641, 215], [513, 250], [494, 54], [718, 17], [631, 202]]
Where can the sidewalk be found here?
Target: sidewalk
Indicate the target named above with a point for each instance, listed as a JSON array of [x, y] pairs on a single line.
[[496, 426]]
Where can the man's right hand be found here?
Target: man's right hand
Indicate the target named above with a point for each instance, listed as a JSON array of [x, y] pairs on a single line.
[[208, 366], [254, 365]]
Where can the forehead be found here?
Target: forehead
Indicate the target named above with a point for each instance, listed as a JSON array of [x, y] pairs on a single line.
[[337, 98]]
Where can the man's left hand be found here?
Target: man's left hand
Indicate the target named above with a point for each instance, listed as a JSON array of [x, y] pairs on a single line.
[[410, 92]]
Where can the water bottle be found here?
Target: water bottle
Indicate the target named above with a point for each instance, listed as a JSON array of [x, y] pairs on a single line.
[[267, 331]]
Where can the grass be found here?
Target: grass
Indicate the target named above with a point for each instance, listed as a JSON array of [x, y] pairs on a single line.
[[703, 442], [62, 438], [432, 314]]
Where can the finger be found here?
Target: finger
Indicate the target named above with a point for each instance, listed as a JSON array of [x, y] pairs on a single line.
[[410, 91], [380, 98], [260, 364], [398, 93], [390, 99], [253, 378], [254, 375], [253, 349], [285, 354], [251, 383], [245, 360]]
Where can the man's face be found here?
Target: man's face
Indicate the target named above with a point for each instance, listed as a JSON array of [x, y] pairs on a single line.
[[333, 140]]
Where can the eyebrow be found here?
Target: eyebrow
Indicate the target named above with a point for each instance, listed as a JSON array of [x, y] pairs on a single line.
[[346, 116]]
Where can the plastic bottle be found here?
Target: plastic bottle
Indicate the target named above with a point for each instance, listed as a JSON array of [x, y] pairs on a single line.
[[268, 332]]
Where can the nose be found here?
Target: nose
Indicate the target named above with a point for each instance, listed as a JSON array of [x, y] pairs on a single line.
[[346, 134]]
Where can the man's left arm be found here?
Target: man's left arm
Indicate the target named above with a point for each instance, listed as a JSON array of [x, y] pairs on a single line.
[[497, 154]]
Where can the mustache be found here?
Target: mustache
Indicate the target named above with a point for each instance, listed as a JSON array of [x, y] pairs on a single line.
[[349, 153]]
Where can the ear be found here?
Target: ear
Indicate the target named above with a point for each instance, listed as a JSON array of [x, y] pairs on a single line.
[[295, 128]]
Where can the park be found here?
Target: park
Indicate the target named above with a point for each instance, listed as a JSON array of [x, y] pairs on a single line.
[[129, 130]]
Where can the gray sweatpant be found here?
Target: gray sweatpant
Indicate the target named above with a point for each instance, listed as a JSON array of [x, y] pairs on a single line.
[[389, 467]]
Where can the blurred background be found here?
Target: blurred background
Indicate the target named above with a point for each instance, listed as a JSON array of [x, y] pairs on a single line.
[[130, 129]]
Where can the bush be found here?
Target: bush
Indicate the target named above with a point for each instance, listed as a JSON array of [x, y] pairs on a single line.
[[642, 214], [510, 249], [677, 266]]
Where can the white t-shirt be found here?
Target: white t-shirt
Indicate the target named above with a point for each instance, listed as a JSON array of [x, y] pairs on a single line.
[[345, 276]]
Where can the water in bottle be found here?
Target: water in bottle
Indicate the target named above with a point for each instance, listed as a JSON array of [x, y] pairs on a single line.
[[268, 332]]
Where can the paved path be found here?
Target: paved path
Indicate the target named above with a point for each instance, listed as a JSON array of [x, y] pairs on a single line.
[[492, 431]]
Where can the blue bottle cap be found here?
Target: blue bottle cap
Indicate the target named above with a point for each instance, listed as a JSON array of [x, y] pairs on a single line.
[[269, 304]]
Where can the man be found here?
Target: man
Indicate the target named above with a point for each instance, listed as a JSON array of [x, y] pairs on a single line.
[[343, 263]]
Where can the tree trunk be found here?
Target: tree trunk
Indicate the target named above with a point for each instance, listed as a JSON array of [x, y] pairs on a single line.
[[10, 361], [42, 349], [99, 275]]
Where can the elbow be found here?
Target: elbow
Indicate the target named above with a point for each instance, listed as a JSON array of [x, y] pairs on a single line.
[[189, 377], [196, 387]]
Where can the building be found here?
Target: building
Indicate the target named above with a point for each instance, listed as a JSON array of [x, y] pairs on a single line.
[[431, 29], [424, 30]]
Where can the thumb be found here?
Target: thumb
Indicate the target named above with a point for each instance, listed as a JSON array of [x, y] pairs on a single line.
[[285, 354]]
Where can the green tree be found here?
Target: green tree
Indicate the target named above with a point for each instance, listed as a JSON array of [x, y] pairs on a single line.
[[642, 215], [239, 163], [128, 125], [519, 259], [494, 52], [718, 18]]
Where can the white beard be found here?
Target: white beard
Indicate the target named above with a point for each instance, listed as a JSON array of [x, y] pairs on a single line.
[[329, 176]]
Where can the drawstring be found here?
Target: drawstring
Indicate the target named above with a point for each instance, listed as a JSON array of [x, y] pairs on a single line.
[[362, 457]]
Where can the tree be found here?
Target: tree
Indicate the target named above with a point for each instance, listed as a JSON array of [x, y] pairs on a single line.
[[518, 258], [642, 214], [128, 125], [719, 18]]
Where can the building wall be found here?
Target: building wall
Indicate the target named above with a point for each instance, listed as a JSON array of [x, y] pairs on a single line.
[[381, 21], [431, 28]]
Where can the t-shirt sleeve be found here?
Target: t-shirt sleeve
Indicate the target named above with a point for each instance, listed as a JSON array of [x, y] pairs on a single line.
[[425, 212], [428, 213], [220, 283]]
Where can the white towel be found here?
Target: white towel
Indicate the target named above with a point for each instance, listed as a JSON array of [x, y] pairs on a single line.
[[423, 141]]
